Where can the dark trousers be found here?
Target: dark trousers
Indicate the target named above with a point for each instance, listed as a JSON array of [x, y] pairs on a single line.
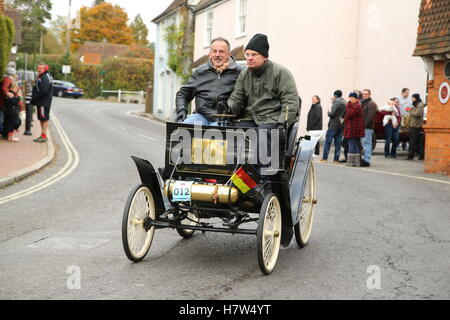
[[354, 146], [335, 135], [392, 135], [12, 122], [415, 143]]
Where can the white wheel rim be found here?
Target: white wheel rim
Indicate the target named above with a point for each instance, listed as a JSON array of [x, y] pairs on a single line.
[[308, 203], [142, 206], [271, 234]]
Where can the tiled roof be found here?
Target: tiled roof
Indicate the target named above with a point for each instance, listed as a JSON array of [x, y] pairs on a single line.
[[237, 53], [102, 50], [434, 28], [205, 4], [170, 9]]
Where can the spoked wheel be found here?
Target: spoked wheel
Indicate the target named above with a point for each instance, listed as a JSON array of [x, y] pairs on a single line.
[[269, 233], [306, 216], [140, 206], [191, 220]]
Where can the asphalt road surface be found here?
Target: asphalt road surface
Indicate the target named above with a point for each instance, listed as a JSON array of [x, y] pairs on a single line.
[[375, 236]]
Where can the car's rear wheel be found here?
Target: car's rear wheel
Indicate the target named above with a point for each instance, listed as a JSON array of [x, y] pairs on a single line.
[[60, 94]]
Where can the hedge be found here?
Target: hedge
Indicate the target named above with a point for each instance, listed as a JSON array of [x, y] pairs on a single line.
[[7, 32], [128, 74]]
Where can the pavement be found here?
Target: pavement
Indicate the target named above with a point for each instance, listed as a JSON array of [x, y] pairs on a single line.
[[24, 158]]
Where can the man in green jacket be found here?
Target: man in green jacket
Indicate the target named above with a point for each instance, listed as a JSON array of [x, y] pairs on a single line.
[[265, 95]]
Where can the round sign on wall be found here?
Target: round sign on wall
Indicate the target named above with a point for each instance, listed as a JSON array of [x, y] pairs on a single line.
[[444, 93]]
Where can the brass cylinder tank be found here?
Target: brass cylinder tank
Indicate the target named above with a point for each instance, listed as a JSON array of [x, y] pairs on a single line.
[[209, 193]]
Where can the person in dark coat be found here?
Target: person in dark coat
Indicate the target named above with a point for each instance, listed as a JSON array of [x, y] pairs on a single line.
[[42, 97], [335, 126], [315, 119], [416, 124], [354, 129], [13, 107], [211, 85]]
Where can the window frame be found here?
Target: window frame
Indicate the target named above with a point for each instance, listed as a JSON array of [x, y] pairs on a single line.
[[241, 18], [209, 26]]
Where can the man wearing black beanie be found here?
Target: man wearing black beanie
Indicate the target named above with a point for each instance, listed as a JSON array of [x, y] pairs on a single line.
[[265, 95]]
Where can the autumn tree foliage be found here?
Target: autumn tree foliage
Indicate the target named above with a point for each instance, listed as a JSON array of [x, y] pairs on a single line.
[[103, 22], [140, 31]]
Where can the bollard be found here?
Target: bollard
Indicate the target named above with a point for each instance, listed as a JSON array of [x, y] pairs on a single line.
[[29, 116]]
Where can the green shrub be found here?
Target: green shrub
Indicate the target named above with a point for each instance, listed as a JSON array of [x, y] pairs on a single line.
[[127, 74], [7, 32]]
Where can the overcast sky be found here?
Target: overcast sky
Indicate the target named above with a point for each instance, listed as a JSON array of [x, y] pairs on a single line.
[[148, 9]]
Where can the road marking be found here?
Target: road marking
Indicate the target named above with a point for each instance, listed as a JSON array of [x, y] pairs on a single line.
[[146, 137], [73, 159], [387, 173], [131, 114]]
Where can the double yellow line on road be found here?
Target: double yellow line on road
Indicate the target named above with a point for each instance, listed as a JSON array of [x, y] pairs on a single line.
[[73, 159]]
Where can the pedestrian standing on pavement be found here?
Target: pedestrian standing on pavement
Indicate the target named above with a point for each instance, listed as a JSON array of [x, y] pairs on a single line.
[[370, 109], [354, 129], [5, 92], [13, 107], [211, 85], [415, 126], [405, 103], [42, 98], [315, 119], [391, 124], [335, 127]]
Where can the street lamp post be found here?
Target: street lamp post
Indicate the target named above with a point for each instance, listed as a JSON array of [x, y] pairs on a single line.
[[68, 28]]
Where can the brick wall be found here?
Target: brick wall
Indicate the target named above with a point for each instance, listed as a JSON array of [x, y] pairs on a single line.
[[437, 129], [2, 6]]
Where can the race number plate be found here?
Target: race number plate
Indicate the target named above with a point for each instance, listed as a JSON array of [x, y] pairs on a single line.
[[182, 191]]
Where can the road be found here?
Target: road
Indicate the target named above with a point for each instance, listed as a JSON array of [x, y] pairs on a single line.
[[375, 236]]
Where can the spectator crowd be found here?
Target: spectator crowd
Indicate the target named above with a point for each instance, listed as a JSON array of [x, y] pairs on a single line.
[[352, 125]]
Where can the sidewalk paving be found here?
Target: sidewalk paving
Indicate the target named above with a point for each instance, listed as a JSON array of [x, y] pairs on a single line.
[[24, 158], [399, 166]]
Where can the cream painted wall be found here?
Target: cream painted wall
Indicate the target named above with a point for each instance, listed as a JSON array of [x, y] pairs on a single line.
[[330, 44], [387, 38]]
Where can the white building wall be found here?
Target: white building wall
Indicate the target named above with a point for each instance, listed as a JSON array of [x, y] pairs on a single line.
[[387, 38], [166, 82]]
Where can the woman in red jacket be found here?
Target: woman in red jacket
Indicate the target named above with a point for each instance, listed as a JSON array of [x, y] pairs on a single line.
[[354, 129]]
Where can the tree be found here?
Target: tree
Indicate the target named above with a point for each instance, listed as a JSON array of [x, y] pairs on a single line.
[[97, 2], [34, 15], [103, 22], [140, 31], [7, 32]]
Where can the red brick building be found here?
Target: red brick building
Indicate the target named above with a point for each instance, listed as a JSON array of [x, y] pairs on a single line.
[[96, 52], [433, 45], [2, 6]]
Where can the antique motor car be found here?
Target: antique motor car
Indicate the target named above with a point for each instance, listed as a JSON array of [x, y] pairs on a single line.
[[208, 177]]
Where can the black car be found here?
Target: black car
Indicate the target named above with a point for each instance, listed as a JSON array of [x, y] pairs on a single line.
[[66, 89]]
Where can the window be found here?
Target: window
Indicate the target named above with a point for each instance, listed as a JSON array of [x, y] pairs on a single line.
[[447, 70], [241, 16], [209, 27]]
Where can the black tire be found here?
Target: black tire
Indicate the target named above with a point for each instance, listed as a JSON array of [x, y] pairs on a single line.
[[264, 236], [374, 141], [130, 223]]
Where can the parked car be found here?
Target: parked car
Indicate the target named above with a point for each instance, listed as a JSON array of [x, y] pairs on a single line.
[[66, 89], [379, 133]]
